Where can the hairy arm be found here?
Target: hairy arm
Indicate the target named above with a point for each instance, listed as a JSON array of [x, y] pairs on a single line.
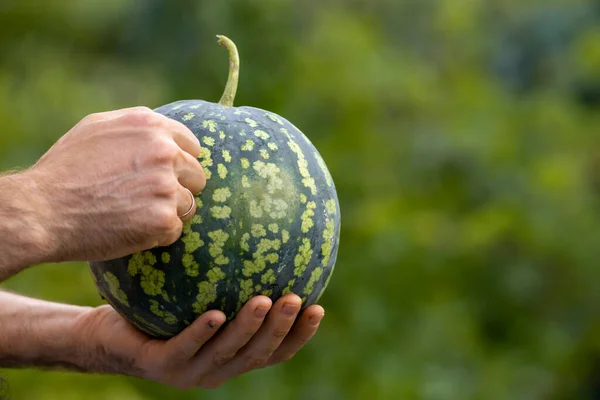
[[32, 332], [24, 238], [40, 333], [43, 334]]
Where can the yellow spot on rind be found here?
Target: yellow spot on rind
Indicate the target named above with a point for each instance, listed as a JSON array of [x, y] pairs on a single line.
[[245, 181], [220, 212], [244, 242], [307, 180], [314, 277], [321, 163], [268, 277], [191, 266], [258, 230], [210, 124], [192, 242], [226, 156], [221, 195], [274, 118], [260, 259], [303, 257], [115, 288], [167, 316], [251, 122], [249, 146], [328, 241], [330, 206], [152, 280], [222, 171], [307, 221], [206, 161], [262, 134], [207, 290]]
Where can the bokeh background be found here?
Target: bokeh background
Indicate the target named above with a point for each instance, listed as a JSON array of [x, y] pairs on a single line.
[[463, 137]]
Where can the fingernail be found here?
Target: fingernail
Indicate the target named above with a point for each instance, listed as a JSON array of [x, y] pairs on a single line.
[[290, 309], [260, 312], [315, 319]]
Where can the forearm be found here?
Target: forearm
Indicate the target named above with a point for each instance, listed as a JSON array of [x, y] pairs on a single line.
[[41, 334], [37, 333], [24, 238]]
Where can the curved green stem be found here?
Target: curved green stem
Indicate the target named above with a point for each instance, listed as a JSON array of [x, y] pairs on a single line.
[[234, 70]]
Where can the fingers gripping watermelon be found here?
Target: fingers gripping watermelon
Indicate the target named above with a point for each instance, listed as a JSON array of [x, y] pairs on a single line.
[[268, 222]]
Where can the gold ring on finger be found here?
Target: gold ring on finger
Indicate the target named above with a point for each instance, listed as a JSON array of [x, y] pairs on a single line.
[[192, 206]]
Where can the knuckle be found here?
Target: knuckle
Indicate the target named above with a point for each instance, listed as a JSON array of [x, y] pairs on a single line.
[[255, 361], [178, 353], [91, 118], [220, 359], [249, 333], [141, 116], [172, 236], [164, 185], [164, 151], [200, 178], [175, 233], [279, 333], [165, 219], [197, 338], [141, 109]]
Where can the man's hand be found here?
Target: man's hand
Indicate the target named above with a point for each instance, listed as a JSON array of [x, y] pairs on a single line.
[[206, 354], [197, 357], [116, 184]]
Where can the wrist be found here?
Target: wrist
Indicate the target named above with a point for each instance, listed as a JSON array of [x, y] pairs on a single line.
[[25, 215], [100, 349]]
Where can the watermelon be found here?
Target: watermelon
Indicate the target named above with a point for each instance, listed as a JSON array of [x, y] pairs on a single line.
[[267, 222]]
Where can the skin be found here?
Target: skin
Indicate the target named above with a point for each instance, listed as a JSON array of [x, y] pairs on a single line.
[[113, 185]]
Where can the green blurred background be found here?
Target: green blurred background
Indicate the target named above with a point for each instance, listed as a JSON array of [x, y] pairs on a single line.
[[463, 139]]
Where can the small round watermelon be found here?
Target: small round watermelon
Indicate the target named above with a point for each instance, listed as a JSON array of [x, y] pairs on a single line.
[[267, 222]]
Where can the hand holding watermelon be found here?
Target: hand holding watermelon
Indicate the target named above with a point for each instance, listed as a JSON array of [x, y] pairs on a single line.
[[47, 334], [198, 356], [116, 183]]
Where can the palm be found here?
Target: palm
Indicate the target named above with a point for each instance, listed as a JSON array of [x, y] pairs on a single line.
[[124, 331]]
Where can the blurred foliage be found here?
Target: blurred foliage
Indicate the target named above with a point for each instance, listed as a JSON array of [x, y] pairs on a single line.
[[463, 139]]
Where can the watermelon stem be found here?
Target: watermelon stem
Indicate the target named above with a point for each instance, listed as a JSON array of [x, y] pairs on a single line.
[[234, 70]]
